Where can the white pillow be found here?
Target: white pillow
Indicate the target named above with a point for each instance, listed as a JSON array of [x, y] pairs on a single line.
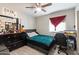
[[32, 34]]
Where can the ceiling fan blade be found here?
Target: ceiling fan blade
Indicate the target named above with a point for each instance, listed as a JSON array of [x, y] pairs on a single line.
[[43, 10], [29, 7], [36, 4], [49, 4]]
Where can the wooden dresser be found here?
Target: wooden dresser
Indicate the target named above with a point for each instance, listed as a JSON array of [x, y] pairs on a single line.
[[13, 41]]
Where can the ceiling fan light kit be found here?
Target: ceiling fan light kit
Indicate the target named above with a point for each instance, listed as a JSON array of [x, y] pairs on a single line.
[[38, 9]]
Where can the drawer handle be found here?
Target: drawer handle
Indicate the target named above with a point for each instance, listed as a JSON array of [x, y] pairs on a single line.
[[8, 41], [14, 36], [14, 45], [8, 37]]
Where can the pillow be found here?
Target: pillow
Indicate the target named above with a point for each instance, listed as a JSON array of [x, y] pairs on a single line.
[[32, 34]]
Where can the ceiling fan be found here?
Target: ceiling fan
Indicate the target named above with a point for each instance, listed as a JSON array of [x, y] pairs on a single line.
[[39, 6]]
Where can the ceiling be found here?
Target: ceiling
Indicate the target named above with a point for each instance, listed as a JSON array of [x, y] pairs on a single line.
[[50, 9]]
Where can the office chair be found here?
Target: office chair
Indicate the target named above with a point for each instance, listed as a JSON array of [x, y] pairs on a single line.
[[61, 41]]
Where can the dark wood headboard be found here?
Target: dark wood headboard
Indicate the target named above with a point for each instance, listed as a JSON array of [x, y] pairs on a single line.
[[30, 30]]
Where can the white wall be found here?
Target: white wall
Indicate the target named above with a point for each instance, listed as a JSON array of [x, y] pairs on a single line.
[[27, 20], [42, 25], [78, 31], [77, 11]]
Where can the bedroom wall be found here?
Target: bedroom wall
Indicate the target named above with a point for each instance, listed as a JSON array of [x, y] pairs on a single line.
[[78, 31], [27, 20], [77, 10], [42, 22]]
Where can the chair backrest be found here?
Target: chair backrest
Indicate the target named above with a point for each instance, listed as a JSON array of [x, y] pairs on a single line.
[[60, 39]]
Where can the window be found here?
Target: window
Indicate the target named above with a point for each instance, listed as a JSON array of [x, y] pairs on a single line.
[[60, 27]]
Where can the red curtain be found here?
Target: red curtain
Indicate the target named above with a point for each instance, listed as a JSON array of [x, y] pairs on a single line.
[[56, 20]]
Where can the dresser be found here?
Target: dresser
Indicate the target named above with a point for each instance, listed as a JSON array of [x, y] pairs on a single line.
[[14, 40]]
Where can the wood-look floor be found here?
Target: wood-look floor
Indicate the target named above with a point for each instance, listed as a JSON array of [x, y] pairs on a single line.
[[26, 50]]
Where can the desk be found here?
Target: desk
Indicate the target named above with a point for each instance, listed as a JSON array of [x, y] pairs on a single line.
[[70, 33]]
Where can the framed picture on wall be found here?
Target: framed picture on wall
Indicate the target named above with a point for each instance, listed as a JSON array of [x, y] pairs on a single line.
[[8, 25]]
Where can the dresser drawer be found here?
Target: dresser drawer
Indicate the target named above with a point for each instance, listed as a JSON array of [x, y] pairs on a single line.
[[11, 41], [15, 46]]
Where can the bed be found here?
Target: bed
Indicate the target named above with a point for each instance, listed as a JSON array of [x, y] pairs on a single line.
[[43, 43]]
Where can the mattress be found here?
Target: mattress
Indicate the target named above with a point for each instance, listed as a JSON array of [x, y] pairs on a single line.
[[45, 39]]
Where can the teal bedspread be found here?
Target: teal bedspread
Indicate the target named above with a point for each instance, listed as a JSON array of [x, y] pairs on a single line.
[[45, 39]]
